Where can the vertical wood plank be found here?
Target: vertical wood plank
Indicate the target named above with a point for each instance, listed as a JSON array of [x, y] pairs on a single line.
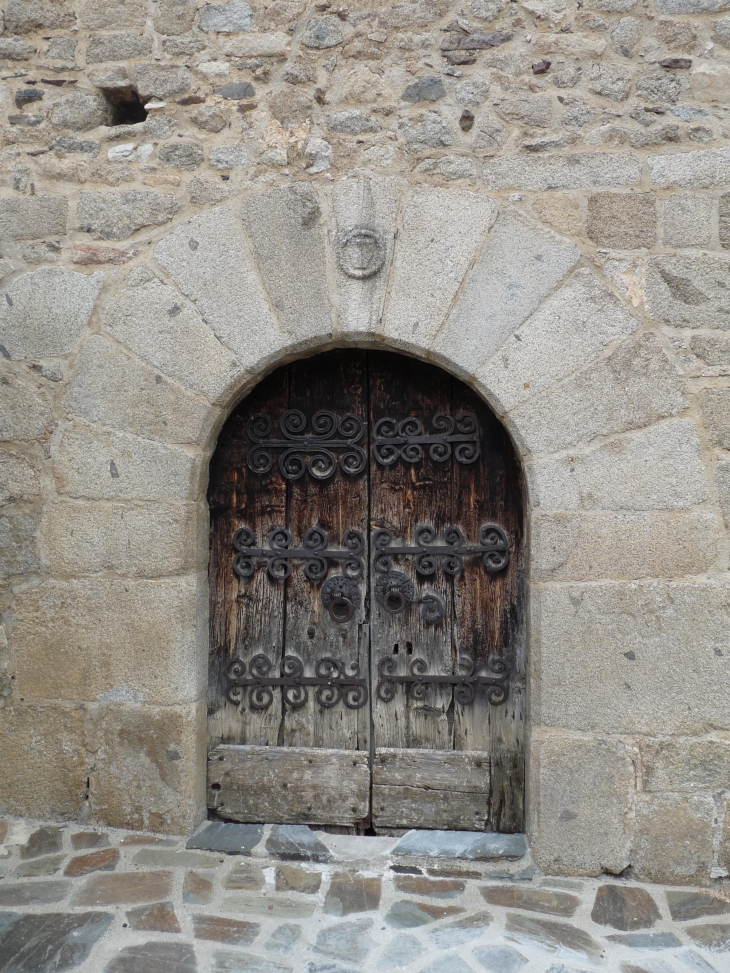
[[403, 496], [489, 609], [337, 384], [246, 615]]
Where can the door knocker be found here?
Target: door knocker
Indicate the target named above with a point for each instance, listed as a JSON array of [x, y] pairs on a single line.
[[394, 591], [340, 597]]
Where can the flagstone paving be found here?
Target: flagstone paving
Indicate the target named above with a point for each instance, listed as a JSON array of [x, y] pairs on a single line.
[[274, 899]]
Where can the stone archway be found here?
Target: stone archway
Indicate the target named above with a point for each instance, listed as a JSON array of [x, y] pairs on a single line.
[[590, 394]]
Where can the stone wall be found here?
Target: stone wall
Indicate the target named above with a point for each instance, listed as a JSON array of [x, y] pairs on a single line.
[[550, 182]]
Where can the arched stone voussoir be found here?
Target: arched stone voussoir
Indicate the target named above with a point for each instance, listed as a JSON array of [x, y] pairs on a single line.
[[440, 236], [520, 264], [569, 329], [115, 389], [161, 327]]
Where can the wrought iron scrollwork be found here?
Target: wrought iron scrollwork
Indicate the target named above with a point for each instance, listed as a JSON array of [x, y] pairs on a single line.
[[406, 439], [495, 680], [314, 552], [428, 555], [302, 450], [331, 683]]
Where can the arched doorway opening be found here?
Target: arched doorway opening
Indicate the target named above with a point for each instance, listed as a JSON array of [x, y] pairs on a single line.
[[367, 584]]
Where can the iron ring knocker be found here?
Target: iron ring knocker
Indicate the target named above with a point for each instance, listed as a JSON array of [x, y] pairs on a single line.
[[394, 591], [340, 596]]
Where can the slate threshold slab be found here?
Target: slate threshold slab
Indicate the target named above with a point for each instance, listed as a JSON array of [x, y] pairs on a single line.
[[297, 842]]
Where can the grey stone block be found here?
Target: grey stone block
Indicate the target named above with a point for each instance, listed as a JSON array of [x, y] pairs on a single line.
[[296, 842], [624, 221], [211, 248], [236, 90], [285, 227], [224, 836], [33, 217], [226, 18], [371, 203], [146, 541], [175, 17], [122, 46], [112, 14], [25, 409], [715, 405], [687, 220], [633, 386], [19, 479], [321, 33], [156, 323], [117, 390], [439, 238], [25, 16], [426, 89], [722, 483], [472, 845], [352, 122], [97, 464], [658, 468], [224, 157], [181, 155], [518, 267], [161, 80], [624, 684], [582, 546], [582, 790], [536, 110], [160, 623], [688, 290], [80, 111], [691, 6], [568, 330], [45, 312], [18, 545], [595, 170], [63, 940], [430, 131], [673, 836], [13, 49], [685, 765], [691, 170], [116, 216]]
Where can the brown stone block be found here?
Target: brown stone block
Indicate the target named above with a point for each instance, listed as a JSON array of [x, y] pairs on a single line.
[[103, 860], [626, 221], [135, 641], [672, 840], [437, 889], [159, 917], [88, 839], [197, 890], [221, 930], [533, 900], [150, 768], [247, 875], [124, 887], [624, 908], [290, 878], [43, 760], [351, 892]]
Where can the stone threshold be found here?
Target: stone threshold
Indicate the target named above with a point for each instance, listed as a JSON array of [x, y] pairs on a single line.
[[298, 842]]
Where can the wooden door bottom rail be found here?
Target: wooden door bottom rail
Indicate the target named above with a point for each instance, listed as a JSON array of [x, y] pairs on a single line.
[[496, 684], [331, 680]]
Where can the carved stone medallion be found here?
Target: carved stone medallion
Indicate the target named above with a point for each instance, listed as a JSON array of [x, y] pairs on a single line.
[[360, 252]]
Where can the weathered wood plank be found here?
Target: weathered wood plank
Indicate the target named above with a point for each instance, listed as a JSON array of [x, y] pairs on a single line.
[[489, 609], [403, 496], [294, 785], [334, 505], [430, 789], [246, 615]]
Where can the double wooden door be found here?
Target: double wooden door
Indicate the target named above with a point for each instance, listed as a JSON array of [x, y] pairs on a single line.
[[367, 592]]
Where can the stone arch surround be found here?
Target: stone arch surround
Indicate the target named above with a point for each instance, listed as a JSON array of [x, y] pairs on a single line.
[[628, 665]]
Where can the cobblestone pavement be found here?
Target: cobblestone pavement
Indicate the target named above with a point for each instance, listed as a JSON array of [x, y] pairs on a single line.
[[118, 902]]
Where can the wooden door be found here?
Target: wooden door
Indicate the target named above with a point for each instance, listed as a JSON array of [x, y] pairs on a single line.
[[367, 602]]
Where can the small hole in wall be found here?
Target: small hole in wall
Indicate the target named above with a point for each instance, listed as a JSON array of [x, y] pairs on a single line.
[[395, 649], [126, 106], [215, 787]]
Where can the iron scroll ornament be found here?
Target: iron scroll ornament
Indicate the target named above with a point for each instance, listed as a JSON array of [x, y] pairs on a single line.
[[331, 683], [301, 450], [495, 680], [493, 547], [393, 440], [314, 552]]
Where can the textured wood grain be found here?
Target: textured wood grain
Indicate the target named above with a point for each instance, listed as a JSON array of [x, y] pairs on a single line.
[[334, 505], [246, 615], [296, 785], [403, 496], [489, 609], [430, 789]]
